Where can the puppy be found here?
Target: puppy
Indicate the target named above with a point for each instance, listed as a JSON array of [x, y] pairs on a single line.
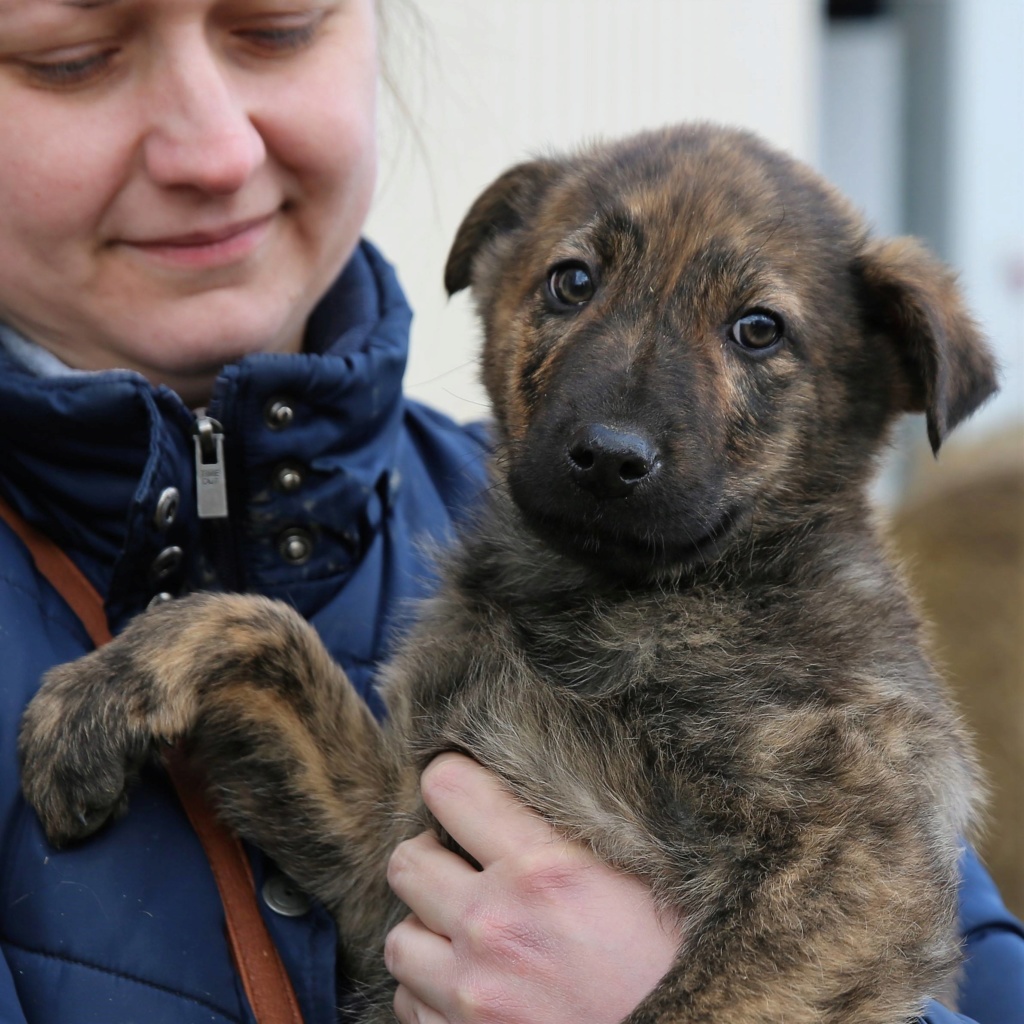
[[672, 631]]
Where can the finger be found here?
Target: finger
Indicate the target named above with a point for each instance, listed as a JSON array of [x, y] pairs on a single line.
[[420, 960], [431, 881], [410, 1010], [478, 811]]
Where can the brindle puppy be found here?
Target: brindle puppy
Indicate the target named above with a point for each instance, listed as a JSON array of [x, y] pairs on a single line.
[[673, 631]]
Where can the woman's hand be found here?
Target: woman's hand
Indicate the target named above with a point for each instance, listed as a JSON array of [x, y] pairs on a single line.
[[545, 932]]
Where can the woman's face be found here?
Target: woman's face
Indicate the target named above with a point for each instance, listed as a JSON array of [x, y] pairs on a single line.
[[180, 180]]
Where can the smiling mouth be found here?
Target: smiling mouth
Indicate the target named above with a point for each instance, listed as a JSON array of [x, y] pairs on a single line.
[[209, 247]]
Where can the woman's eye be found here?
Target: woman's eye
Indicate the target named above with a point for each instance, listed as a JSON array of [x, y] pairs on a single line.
[[68, 73], [282, 38], [571, 285], [757, 331]]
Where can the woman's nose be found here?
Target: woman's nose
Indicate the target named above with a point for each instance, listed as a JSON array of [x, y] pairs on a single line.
[[199, 132]]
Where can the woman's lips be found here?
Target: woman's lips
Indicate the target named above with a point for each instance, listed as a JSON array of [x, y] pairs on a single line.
[[212, 247]]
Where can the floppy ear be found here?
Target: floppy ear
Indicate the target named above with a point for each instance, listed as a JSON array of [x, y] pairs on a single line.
[[914, 299], [503, 206]]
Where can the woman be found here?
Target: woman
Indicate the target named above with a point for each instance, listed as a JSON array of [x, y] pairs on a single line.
[[201, 388]]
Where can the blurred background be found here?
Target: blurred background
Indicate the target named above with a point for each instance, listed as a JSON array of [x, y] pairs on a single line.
[[915, 108]]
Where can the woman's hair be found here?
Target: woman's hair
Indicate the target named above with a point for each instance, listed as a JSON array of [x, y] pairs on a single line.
[[405, 41], [401, 26]]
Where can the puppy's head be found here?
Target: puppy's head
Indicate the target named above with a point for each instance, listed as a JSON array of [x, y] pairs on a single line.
[[688, 332]]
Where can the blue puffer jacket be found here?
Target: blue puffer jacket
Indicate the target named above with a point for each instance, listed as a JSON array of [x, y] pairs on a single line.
[[128, 927], [336, 487]]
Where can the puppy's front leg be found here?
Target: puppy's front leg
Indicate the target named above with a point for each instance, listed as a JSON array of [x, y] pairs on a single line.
[[295, 760]]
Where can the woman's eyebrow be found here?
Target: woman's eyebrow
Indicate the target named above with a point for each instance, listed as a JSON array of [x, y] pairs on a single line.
[[8, 7]]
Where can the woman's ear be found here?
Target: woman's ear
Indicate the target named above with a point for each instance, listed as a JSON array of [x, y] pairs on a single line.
[[913, 298], [503, 206]]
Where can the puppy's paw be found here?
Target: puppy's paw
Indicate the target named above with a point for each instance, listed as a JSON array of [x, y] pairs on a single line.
[[77, 752]]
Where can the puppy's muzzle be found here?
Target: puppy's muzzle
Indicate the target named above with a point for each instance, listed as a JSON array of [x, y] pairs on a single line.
[[610, 462]]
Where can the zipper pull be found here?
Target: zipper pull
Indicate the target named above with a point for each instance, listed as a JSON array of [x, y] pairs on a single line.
[[211, 484]]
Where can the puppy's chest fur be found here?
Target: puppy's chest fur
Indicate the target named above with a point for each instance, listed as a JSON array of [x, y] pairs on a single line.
[[771, 695]]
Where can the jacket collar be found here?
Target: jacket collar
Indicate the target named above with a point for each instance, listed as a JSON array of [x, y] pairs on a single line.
[[87, 457]]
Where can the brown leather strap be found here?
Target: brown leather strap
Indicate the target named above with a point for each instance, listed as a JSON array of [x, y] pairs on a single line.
[[263, 975], [264, 978]]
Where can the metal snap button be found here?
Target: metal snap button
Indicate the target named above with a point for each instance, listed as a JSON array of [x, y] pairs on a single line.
[[165, 564], [288, 479], [284, 897], [162, 598], [279, 413], [394, 485], [295, 546], [167, 507]]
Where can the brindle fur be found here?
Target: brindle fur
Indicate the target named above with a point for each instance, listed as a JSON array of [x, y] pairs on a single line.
[[715, 681]]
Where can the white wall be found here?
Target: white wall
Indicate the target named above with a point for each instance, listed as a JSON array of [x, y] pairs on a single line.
[[861, 109], [490, 82], [986, 227]]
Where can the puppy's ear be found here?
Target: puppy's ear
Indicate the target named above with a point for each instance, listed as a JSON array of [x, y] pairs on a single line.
[[503, 206], [914, 299]]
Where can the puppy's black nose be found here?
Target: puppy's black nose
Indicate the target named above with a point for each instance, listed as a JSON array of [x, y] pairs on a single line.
[[610, 463]]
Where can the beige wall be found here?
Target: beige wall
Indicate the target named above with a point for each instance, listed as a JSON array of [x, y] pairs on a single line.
[[489, 82]]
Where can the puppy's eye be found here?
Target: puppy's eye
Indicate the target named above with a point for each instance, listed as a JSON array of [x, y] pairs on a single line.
[[571, 285], [757, 331]]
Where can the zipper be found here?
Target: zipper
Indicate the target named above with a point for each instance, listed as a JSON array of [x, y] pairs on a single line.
[[219, 563], [211, 479]]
